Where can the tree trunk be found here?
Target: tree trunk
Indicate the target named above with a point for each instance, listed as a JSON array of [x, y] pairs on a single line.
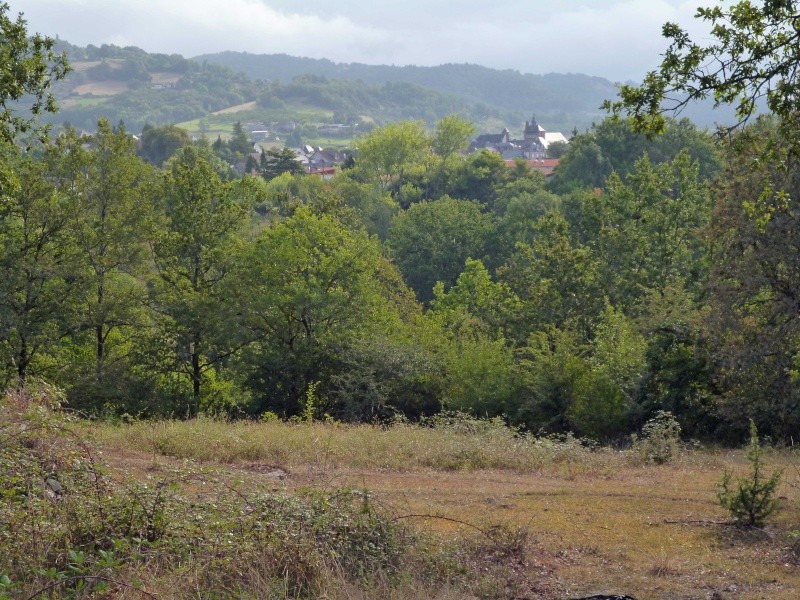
[[195, 379], [99, 337]]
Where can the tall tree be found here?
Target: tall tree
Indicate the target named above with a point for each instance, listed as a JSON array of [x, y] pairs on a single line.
[[113, 221], [646, 233], [386, 154], [313, 288], [752, 55], [555, 278], [275, 163], [193, 255], [159, 143], [37, 268], [431, 241], [239, 143], [754, 323], [28, 67]]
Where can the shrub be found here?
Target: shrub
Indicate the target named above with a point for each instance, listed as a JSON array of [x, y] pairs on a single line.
[[750, 499], [659, 439]]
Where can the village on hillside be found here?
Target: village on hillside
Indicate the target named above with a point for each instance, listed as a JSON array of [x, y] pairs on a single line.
[[533, 147]]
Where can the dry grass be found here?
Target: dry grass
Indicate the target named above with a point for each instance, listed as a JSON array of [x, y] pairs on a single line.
[[596, 520], [399, 448], [84, 65], [237, 108]]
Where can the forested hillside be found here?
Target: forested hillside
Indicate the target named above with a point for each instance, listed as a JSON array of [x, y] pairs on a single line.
[[563, 100], [553, 95], [138, 88]]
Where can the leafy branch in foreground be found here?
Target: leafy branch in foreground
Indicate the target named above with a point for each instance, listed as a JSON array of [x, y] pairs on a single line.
[[754, 56], [28, 65]]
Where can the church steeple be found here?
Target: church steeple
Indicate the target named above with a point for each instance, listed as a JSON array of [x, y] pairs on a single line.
[[532, 129]]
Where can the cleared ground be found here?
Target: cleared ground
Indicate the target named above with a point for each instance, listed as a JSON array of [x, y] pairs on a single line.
[[596, 521]]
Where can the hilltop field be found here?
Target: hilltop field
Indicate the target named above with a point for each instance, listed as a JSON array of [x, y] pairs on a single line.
[[456, 508]]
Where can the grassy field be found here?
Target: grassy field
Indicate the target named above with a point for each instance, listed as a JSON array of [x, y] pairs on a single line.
[[456, 509], [101, 88], [597, 520]]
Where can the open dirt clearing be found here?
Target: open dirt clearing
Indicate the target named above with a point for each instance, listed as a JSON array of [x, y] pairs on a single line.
[[654, 532]]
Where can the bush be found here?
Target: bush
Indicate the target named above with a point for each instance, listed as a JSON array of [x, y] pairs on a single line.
[[750, 499], [659, 439]]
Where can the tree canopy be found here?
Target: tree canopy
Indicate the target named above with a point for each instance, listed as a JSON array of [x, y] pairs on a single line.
[[752, 56], [28, 67]]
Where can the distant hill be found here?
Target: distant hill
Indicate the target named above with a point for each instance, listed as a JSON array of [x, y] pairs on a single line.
[[209, 93], [137, 87], [560, 101]]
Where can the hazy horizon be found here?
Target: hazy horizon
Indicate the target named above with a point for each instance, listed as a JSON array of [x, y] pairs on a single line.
[[616, 39]]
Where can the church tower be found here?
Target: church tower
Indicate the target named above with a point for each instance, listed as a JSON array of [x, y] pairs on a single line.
[[532, 130]]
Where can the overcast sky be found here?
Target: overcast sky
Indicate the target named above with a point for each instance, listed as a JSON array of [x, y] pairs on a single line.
[[617, 39]]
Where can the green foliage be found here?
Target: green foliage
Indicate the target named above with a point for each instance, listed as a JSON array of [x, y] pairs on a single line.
[[239, 143], [28, 67], [480, 376], [309, 403], [555, 279], [381, 378], [612, 146], [604, 394], [644, 233], [194, 253], [114, 219], [750, 58], [431, 241], [160, 143], [384, 101], [39, 272], [309, 289], [275, 163], [753, 327], [476, 304], [385, 154], [452, 134], [480, 178], [751, 499], [658, 441]]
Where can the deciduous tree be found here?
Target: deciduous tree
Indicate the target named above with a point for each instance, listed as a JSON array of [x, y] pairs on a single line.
[[28, 67]]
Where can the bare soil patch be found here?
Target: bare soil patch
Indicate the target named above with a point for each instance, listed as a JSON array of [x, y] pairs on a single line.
[[164, 77], [102, 88], [649, 532], [235, 109]]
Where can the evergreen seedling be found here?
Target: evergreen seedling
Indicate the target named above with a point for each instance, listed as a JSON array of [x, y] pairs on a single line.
[[751, 499]]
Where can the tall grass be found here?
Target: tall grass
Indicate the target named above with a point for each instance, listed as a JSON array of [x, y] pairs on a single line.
[[70, 528], [450, 444]]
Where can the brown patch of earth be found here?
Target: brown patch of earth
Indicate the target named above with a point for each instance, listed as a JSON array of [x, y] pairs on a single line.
[[650, 532]]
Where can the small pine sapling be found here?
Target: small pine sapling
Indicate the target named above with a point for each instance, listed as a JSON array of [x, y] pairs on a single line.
[[751, 499]]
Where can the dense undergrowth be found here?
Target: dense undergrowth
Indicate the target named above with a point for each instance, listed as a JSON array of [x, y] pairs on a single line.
[[70, 527]]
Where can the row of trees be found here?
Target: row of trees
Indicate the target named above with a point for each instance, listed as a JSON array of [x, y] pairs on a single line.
[[418, 278], [649, 274]]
